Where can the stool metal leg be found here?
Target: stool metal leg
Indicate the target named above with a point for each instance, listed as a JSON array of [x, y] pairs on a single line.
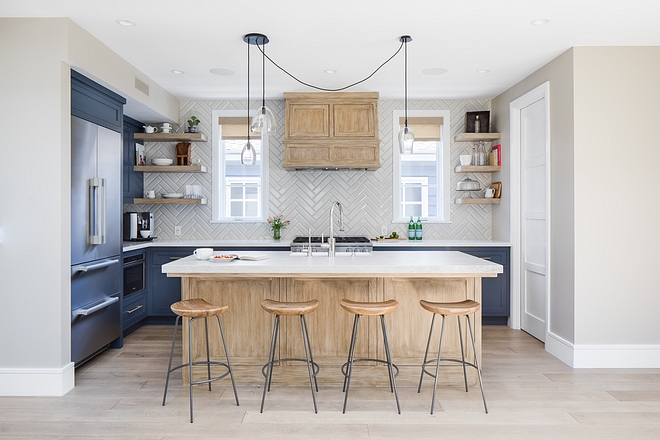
[[208, 357], [169, 366], [460, 338], [426, 354], [190, 365], [277, 333], [231, 372], [309, 345], [351, 356], [307, 358], [350, 347], [437, 365], [269, 373], [476, 363], [389, 363]]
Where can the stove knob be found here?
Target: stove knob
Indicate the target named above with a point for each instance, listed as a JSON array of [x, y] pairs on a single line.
[[348, 250], [297, 250], [365, 250]]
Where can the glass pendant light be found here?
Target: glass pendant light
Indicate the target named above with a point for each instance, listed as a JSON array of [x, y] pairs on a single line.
[[263, 120], [248, 154], [406, 134]]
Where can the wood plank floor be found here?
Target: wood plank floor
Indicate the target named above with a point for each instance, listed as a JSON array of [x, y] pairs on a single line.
[[531, 395]]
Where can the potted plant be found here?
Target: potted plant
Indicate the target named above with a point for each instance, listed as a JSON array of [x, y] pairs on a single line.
[[193, 122]]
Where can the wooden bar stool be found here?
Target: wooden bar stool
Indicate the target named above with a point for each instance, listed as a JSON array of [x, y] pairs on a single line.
[[195, 309], [369, 309], [280, 308], [458, 309]]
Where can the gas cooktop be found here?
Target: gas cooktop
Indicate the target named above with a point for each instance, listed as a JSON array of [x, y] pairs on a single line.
[[342, 244]]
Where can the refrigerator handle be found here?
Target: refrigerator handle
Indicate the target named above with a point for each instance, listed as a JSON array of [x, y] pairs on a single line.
[[101, 265], [97, 210], [96, 308]]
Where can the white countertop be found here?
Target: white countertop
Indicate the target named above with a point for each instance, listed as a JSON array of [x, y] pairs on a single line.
[[131, 246], [377, 264]]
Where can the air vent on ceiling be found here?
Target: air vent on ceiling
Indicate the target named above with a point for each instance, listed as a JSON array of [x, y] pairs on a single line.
[[142, 86]]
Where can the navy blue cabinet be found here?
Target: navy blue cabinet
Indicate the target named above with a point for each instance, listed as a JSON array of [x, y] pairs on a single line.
[[164, 291], [133, 182], [94, 103], [135, 289]]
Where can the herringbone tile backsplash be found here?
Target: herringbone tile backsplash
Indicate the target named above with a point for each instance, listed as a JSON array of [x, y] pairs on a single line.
[[305, 197]]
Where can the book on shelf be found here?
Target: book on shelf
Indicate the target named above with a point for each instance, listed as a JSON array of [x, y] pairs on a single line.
[[498, 149]]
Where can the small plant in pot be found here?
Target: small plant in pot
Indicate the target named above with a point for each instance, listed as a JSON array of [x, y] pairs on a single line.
[[193, 122]]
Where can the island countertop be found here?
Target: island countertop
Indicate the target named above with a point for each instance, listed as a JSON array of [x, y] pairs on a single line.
[[381, 264]]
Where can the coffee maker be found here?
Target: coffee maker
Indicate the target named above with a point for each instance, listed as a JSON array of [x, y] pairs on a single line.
[[135, 223]]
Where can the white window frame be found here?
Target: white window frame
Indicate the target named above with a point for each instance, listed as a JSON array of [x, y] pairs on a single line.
[[423, 183], [443, 165], [219, 197]]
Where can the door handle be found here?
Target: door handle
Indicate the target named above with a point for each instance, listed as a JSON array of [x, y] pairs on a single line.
[[486, 258], [175, 258], [96, 210], [135, 309], [101, 265], [96, 308]]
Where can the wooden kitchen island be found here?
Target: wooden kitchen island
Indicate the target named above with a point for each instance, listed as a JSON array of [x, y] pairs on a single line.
[[404, 276]]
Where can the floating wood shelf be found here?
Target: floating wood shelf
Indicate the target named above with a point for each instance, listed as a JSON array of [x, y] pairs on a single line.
[[477, 201], [171, 137], [477, 169], [162, 201], [170, 169], [476, 137]]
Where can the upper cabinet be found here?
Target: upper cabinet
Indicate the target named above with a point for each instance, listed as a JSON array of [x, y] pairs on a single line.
[[331, 130]]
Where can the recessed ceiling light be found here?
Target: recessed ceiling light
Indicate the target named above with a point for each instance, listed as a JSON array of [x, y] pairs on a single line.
[[222, 72], [540, 21], [330, 71], [435, 71], [126, 23], [483, 71], [178, 72]]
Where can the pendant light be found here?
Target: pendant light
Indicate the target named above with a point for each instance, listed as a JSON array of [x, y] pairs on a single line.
[[263, 120], [248, 154], [406, 134]]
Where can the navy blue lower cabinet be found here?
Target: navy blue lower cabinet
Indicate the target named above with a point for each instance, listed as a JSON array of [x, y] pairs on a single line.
[[164, 291]]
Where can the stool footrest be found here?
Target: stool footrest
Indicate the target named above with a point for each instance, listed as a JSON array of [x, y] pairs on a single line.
[[315, 366], [435, 361], [213, 379], [380, 361]]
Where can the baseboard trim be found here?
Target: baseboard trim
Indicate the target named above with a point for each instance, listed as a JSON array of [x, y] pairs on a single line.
[[603, 356], [37, 381]]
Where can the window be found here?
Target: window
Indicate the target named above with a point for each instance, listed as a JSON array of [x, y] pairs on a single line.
[[421, 179], [238, 190]]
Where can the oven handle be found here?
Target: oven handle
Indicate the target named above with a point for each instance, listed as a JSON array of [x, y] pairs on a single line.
[[101, 265], [96, 308]]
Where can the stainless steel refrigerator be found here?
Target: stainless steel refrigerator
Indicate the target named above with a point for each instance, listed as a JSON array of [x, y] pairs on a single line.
[[95, 238]]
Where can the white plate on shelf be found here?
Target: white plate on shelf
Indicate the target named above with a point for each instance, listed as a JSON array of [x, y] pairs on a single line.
[[172, 196], [223, 258], [162, 162]]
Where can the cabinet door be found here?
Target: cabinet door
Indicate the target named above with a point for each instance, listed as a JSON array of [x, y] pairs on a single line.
[[164, 291], [354, 120], [133, 182], [308, 120]]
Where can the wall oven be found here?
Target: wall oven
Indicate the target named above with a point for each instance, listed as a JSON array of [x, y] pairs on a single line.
[[134, 273]]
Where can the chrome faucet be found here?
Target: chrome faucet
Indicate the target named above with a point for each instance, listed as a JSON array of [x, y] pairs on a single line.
[[331, 237]]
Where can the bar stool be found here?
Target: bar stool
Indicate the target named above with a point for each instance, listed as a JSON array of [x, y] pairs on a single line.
[[194, 309], [458, 309], [369, 309], [280, 308]]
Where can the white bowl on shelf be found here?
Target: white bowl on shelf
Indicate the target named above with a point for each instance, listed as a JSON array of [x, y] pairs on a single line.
[[162, 161]]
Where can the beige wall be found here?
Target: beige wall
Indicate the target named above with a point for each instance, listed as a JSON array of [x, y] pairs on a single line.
[[617, 207], [559, 72]]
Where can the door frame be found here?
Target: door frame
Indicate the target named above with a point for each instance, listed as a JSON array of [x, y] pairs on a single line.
[[515, 107]]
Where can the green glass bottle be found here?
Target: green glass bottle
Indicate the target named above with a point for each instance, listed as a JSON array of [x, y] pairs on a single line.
[[411, 229], [418, 229]]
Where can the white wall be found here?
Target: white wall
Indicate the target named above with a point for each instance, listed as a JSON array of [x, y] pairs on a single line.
[[35, 192], [559, 72], [35, 208], [616, 228]]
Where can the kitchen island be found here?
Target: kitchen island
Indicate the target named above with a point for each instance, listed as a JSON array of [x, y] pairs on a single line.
[[407, 276]]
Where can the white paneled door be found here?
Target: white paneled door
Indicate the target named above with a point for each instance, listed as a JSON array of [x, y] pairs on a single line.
[[533, 222]]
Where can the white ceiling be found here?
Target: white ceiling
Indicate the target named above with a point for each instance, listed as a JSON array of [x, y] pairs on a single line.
[[352, 37]]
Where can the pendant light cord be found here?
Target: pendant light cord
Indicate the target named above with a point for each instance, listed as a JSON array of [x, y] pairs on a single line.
[[341, 88], [248, 93], [405, 54], [263, 77]]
